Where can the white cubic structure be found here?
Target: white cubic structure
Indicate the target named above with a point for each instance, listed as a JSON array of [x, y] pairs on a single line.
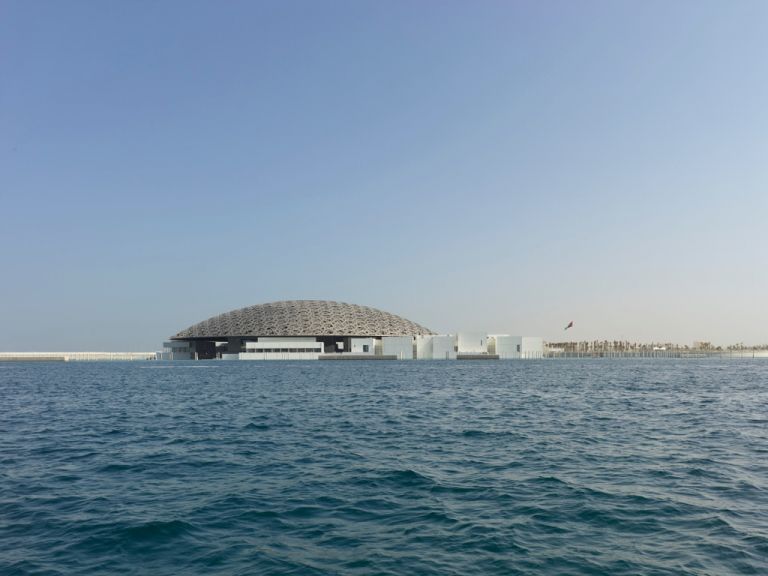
[[515, 347], [362, 345], [472, 343], [505, 346], [444, 347], [532, 347], [424, 347], [176, 350], [399, 346], [436, 347]]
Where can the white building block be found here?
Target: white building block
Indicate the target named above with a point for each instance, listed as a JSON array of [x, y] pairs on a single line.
[[399, 346]]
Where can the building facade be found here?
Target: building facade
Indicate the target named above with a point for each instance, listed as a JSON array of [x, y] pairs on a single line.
[[319, 329]]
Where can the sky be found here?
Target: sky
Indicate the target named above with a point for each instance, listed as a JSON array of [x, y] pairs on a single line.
[[504, 167]]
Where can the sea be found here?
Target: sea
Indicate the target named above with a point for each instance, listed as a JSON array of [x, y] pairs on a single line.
[[542, 467]]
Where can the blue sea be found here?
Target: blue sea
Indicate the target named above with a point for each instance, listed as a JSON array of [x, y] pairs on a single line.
[[530, 467]]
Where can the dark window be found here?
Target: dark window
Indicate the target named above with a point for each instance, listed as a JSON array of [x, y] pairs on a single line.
[[365, 347]]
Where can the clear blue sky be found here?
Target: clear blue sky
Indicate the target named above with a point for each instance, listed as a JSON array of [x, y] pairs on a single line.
[[498, 166]]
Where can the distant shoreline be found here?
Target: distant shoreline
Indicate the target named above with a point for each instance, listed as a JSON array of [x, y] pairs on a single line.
[[548, 355], [563, 354]]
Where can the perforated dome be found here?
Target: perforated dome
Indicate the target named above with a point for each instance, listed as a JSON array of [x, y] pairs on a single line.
[[303, 318]]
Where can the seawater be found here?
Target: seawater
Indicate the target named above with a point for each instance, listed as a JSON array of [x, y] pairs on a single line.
[[533, 467]]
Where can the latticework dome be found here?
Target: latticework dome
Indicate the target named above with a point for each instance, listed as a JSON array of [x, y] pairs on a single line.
[[303, 318]]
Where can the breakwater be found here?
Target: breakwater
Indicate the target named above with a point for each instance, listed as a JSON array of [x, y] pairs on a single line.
[[75, 356]]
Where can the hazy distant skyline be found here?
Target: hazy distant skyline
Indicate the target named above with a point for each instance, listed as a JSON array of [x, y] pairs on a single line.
[[496, 166]]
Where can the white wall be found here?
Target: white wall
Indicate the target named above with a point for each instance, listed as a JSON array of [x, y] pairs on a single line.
[[513, 347], [533, 347], [177, 350], [400, 346], [282, 348], [358, 345], [424, 347], [508, 347], [278, 355], [271, 343], [472, 343], [443, 347]]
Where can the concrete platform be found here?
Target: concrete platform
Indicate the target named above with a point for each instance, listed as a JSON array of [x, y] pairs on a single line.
[[350, 356]]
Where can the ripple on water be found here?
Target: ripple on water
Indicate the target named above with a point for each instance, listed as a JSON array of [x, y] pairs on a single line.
[[583, 467]]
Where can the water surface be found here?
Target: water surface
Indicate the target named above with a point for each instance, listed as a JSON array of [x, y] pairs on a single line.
[[532, 467]]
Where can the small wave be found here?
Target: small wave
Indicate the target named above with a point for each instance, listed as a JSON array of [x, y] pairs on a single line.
[[251, 515], [548, 480], [599, 517], [479, 433], [110, 468], [408, 477], [704, 473], [66, 478], [27, 567], [176, 367], [303, 512], [255, 426], [158, 530]]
